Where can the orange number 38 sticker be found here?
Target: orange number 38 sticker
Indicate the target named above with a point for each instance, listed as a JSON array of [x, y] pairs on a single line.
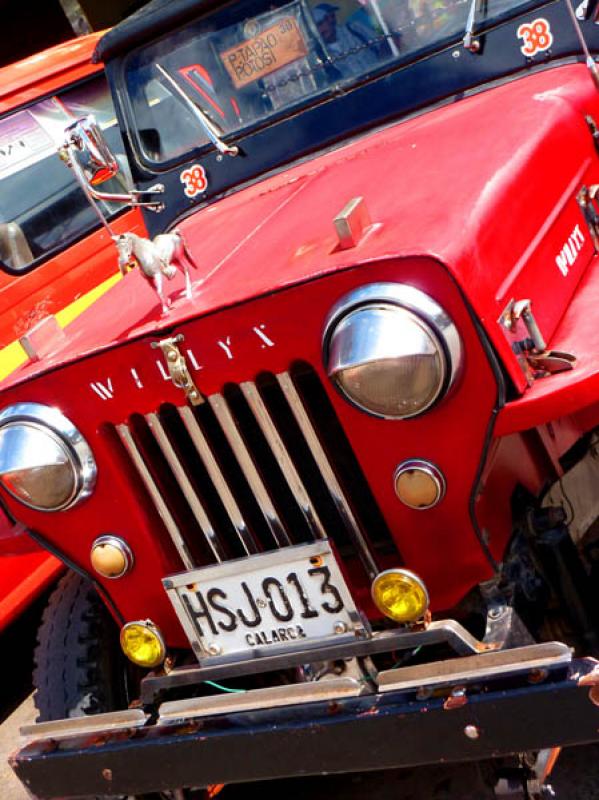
[[536, 36], [194, 179]]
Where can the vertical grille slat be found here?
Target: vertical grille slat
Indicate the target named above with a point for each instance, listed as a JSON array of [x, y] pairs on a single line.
[[280, 452], [188, 490], [223, 414], [337, 494], [216, 476], [261, 465], [154, 491]]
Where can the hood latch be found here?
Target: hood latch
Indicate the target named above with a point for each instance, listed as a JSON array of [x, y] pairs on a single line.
[[531, 350], [178, 369]]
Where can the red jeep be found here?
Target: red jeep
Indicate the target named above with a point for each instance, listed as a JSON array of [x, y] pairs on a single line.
[[55, 256], [336, 509]]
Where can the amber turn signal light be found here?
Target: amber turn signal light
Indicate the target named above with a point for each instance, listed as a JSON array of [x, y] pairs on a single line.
[[111, 557], [400, 595], [419, 484]]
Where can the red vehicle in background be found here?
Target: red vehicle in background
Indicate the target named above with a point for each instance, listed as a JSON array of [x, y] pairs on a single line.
[[55, 256]]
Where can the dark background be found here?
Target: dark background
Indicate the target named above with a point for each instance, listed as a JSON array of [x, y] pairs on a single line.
[[30, 26]]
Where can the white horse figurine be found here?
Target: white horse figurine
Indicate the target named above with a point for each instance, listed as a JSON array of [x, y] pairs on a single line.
[[156, 258]]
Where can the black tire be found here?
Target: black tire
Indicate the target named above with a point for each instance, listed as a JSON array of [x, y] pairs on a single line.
[[79, 666]]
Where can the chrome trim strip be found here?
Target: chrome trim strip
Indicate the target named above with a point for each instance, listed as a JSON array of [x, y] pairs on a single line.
[[96, 723], [264, 660], [174, 711], [223, 414], [218, 479], [161, 507], [483, 665], [279, 451], [335, 490], [190, 493]]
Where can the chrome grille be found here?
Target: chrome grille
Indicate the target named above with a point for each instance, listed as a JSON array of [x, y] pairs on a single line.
[[247, 471]]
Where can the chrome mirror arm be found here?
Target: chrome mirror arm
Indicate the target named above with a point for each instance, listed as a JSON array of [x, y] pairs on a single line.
[[68, 153], [130, 197]]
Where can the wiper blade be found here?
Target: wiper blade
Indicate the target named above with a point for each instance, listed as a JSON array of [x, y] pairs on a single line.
[[208, 126], [470, 43]]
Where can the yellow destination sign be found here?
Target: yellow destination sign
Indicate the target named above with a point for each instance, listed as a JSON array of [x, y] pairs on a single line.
[[267, 52]]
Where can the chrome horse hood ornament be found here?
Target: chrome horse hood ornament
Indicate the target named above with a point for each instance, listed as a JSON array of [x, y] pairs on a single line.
[[157, 258]]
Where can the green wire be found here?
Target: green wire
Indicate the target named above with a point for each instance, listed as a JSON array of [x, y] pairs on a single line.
[[242, 691], [225, 688]]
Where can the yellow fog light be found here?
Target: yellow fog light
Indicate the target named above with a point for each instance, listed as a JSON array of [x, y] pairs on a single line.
[[143, 644], [400, 595]]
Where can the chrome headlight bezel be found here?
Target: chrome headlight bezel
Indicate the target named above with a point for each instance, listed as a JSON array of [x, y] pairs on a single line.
[[426, 312], [52, 423]]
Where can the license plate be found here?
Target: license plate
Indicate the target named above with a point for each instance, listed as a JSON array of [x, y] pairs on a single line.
[[289, 598]]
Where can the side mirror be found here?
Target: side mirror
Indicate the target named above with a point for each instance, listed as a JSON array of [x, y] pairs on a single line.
[[95, 158], [87, 153]]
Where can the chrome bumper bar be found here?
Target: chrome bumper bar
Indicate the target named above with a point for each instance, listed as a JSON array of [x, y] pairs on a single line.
[[473, 707]]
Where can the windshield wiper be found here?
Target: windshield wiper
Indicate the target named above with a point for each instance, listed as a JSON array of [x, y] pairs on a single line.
[[470, 43], [208, 126]]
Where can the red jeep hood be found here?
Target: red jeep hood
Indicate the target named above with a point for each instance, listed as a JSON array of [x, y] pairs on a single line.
[[470, 184]]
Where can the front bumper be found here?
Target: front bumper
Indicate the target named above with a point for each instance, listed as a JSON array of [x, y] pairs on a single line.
[[470, 708]]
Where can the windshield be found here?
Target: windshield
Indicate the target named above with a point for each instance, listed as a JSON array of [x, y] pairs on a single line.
[[248, 62]]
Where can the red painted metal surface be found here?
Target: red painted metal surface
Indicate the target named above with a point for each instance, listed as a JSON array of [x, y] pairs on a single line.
[[25, 570], [47, 71], [472, 203], [567, 393], [27, 299], [451, 435], [495, 209]]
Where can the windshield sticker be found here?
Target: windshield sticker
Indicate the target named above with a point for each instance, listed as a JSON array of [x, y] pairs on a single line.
[[22, 143], [537, 37], [275, 47], [195, 180]]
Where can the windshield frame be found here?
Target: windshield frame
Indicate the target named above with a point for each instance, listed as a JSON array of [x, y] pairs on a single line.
[[483, 25]]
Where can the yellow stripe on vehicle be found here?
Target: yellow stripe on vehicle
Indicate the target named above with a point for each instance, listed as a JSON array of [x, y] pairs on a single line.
[[77, 307], [13, 356]]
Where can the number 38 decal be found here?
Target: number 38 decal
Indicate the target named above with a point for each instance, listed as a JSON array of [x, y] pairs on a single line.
[[536, 36]]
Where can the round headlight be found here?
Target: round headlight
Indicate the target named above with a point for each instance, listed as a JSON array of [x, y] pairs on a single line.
[[391, 350], [45, 463]]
